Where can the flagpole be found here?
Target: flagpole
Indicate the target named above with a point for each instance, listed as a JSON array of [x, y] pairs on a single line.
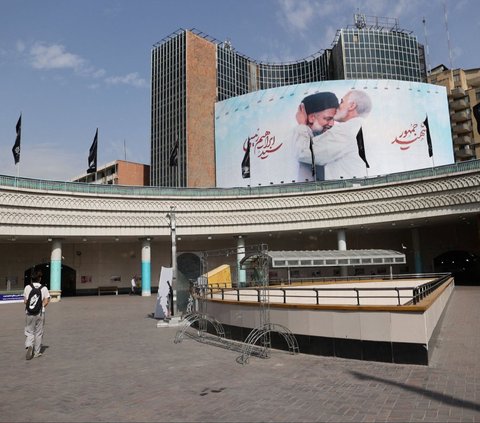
[[178, 183], [18, 164]]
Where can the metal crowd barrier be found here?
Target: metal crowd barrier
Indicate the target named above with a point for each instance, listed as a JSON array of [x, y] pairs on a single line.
[[401, 295]]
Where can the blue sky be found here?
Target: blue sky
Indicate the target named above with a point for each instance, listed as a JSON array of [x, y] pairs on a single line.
[[73, 66]]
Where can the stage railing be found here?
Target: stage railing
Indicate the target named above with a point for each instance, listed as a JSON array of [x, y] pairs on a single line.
[[398, 295], [420, 292]]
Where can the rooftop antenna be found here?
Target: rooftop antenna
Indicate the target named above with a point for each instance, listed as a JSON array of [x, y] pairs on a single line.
[[360, 20], [228, 44], [429, 70], [448, 35]]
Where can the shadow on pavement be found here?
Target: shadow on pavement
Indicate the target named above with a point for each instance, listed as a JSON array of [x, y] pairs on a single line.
[[437, 396]]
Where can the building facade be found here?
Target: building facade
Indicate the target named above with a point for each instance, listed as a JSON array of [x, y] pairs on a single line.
[[191, 71], [463, 90], [118, 172], [87, 236], [377, 48]]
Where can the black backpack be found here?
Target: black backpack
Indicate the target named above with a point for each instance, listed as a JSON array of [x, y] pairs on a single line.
[[34, 301]]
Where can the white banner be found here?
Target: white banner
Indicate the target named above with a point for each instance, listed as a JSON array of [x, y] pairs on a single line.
[[162, 308], [260, 138]]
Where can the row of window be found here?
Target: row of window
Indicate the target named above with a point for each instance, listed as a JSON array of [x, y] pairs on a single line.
[[339, 261], [392, 72], [236, 76], [366, 36], [379, 54], [168, 112]]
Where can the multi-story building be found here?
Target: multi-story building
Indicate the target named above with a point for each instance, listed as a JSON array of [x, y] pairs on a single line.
[[376, 48], [183, 94], [118, 172], [191, 71], [463, 90]]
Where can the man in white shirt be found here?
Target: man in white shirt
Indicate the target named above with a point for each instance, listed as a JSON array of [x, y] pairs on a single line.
[[336, 149], [316, 113], [133, 284], [35, 324]]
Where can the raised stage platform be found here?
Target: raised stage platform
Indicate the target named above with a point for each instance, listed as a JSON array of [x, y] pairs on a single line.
[[389, 321]]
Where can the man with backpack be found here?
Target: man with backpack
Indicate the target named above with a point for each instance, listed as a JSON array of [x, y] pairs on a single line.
[[36, 297]]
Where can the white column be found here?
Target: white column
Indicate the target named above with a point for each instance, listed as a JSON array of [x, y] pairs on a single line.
[[341, 240], [173, 234], [342, 246], [242, 274], [174, 269]]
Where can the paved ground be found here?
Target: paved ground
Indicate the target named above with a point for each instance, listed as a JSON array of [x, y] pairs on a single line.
[[105, 360]]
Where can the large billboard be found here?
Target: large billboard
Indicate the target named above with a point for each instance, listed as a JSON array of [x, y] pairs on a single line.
[[331, 130]]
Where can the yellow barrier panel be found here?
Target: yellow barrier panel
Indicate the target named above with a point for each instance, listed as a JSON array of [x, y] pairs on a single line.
[[220, 277]]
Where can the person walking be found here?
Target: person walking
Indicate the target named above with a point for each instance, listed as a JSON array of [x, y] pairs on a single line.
[[133, 284], [36, 298]]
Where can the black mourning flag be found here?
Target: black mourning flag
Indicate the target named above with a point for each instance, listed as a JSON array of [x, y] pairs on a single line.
[[476, 113], [429, 139], [361, 147], [16, 146], [246, 162], [174, 155], [313, 157], [92, 155]]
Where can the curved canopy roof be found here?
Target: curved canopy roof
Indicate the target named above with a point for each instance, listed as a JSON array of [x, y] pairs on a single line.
[[335, 258]]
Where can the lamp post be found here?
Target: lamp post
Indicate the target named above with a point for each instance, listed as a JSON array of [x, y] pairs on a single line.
[[172, 224]]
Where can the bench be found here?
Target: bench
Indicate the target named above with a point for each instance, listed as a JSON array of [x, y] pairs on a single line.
[[108, 289]]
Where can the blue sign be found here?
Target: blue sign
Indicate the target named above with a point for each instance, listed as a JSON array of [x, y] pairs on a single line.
[[11, 298]]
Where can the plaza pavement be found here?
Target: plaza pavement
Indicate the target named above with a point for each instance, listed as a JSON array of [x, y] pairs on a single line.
[[105, 360]]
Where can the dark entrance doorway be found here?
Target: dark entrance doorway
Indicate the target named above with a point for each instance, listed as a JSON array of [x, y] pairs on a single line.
[[68, 278], [188, 270], [463, 265]]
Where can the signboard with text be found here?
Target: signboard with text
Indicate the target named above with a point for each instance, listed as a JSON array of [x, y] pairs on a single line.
[[262, 138]]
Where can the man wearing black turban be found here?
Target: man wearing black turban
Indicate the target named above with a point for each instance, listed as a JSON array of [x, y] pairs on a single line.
[[340, 150], [316, 112]]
